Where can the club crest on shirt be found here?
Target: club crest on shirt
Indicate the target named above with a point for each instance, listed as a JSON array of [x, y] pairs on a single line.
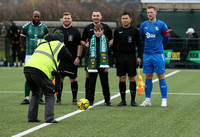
[[157, 28], [70, 38], [42, 31], [130, 39]]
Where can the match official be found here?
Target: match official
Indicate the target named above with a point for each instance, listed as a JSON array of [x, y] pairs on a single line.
[[72, 39], [126, 39]]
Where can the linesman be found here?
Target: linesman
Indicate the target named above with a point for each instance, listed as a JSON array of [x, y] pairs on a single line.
[[126, 39]]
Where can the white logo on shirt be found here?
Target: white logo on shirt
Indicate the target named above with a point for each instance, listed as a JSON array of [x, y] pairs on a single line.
[[149, 35], [121, 32]]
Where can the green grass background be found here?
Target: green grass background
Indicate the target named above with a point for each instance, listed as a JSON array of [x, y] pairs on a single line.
[[179, 119]]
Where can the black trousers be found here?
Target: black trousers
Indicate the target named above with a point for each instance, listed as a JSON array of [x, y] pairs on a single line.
[[104, 83], [16, 52], [36, 83]]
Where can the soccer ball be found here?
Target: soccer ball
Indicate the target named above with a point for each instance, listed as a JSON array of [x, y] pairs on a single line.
[[83, 104]]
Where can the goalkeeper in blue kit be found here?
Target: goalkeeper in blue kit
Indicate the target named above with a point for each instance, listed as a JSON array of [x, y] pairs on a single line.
[[155, 35]]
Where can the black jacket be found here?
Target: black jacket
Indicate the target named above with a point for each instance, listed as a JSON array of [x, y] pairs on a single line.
[[193, 42], [13, 34]]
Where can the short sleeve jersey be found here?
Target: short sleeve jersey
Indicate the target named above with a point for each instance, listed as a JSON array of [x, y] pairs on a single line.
[[88, 31], [72, 38], [153, 34], [32, 34], [125, 41]]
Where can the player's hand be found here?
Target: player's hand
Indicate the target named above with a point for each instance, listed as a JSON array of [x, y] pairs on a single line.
[[139, 61], [114, 61], [110, 43], [87, 44], [76, 61], [106, 70]]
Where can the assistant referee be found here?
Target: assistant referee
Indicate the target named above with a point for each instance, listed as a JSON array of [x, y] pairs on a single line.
[[126, 39]]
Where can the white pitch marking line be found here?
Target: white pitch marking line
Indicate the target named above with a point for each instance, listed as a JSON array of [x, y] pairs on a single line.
[[69, 92], [76, 112]]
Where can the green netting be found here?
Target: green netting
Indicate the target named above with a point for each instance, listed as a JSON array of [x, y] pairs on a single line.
[[179, 21]]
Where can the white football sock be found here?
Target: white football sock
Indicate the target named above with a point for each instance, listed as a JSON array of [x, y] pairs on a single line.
[[27, 97]]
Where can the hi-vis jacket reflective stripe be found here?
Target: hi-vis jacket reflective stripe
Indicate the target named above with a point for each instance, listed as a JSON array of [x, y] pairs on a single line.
[[40, 41], [42, 58]]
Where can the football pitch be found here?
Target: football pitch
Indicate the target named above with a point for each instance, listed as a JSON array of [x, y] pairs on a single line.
[[179, 119]]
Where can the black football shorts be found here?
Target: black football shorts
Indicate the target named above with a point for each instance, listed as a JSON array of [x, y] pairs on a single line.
[[126, 64]]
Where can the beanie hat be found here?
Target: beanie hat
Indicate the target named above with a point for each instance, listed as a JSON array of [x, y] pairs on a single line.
[[59, 34]]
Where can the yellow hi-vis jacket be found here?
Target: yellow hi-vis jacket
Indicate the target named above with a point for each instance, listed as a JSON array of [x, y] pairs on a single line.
[[42, 58]]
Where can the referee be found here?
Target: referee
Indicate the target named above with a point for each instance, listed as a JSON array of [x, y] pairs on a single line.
[[126, 39], [88, 33], [72, 38]]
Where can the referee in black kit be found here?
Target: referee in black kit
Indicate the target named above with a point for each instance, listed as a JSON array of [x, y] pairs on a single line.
[[72, 39], [126, 39], [88, 33]]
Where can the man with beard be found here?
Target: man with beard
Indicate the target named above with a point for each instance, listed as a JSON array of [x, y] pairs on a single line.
[[31, 32], [72, 38], [155, 35]]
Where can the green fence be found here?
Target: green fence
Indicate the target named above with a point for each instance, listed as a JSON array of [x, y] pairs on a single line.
[[179, 21], [183, 52], [179, 52]]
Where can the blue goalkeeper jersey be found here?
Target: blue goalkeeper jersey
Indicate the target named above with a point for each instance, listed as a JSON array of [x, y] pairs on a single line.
[[155, 36]]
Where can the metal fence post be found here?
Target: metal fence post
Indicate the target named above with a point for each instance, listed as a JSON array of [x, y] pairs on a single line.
[[7, 52]]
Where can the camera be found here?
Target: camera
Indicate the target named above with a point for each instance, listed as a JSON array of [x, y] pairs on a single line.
[[57, 75]]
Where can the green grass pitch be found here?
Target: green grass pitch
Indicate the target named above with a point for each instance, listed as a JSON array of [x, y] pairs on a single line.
[[179, 119]]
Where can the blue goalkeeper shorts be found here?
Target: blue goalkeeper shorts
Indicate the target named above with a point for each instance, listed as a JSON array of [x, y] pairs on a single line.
[[154, 63]]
